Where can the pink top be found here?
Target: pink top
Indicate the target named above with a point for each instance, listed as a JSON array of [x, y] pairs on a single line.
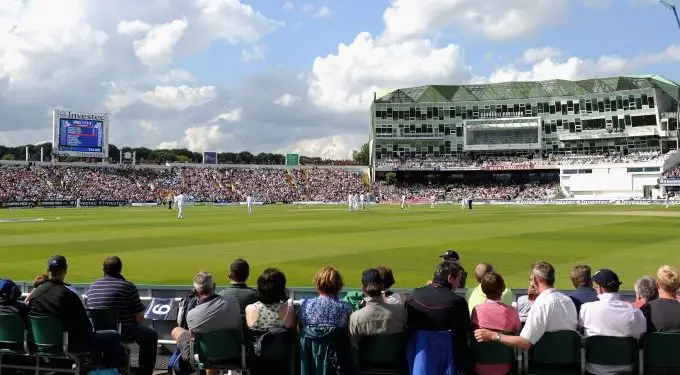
[[499, 317]]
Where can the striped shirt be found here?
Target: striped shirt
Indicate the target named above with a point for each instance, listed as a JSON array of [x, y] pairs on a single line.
[[118, 294]]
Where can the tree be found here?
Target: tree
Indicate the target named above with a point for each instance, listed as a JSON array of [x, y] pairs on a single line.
[[8, 157], [362, 155], [390, 177]]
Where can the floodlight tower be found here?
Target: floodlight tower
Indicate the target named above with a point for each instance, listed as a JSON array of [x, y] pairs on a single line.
[[671, 7]]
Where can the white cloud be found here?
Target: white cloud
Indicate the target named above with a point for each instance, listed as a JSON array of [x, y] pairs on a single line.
[[333, 147], [157, 47], [232, 116], [307, 8], [200, 139], [177, 98], [533, 55], [176, 76], [347, 80], [288, 5], [255, 52], [286, 100], [491, 19], [233, 21], [134, 27], [578, 68], [323, 12]]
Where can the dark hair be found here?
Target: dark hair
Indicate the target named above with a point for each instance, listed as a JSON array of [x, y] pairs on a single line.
[[113, 266], [40, 280], [239, 271], [271, 286], [444, 270], [372, 284], [581, 276], [387, 276], [493, 285], [328, 281]]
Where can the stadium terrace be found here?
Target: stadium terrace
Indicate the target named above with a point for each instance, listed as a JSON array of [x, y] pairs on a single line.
[[603, 137]]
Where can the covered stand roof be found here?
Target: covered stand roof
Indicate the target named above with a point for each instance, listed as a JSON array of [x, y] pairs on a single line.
[[526, 90]]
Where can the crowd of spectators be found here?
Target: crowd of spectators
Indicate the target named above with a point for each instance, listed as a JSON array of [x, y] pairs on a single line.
[[268, 185], [520, 162], [673, 173], [435, 321], [477, 191]]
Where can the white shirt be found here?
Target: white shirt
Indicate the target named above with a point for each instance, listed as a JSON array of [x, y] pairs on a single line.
[[179, 200], [403, 198], [551, 311], [249, 200], [611, 317], [361, 197]]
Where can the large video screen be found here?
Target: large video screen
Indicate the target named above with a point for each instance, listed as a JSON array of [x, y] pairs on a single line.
[[79, 134]]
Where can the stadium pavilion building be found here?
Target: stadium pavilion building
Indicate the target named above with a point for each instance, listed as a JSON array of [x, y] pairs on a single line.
[[540, 120]]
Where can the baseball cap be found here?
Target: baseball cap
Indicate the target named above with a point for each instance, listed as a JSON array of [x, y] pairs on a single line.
[[371, 276], [9, 291], [606, 278], [450, 255], [56, 262]]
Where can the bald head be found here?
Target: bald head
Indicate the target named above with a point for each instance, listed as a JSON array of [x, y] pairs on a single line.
[[481, 270]]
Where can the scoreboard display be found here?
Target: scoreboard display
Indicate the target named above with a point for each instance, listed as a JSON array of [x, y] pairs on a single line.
[[80, 134]]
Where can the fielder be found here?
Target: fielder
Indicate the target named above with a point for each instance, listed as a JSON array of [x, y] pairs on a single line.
[[463, 203], [668, 200], [179, 202], [78, 203], [403, 202], [362, 201], [349, 203], [433, 199], [249, 203]]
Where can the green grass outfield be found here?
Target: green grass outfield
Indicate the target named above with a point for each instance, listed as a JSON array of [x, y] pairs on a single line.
[[156, 248]]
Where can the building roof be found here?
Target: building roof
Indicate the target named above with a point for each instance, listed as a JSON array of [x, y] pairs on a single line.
[[526, 90]]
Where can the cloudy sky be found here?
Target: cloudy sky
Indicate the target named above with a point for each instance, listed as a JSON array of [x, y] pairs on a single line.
[[277, 75]]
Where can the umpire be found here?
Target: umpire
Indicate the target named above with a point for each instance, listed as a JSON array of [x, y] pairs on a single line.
[[452, 256]]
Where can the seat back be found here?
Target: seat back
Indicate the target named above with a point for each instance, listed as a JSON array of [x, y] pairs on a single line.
[[219, 346], [660, 353], [48, 334], [556, 352], [491, 353], [103, 319], [611, 351], [383, 351], [274, 345], [11, 329]]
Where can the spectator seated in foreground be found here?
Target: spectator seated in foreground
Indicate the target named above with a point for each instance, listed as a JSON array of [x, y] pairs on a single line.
[[376, 317], [113, 292], [645, 291], [390, 297], [582, 281], [324, 338], [211, 313], [551, 311], [55, 298], [610, 316], [438, 323], [663, 313], [9, 304], [477, 296], [494, 314], [239, 271]]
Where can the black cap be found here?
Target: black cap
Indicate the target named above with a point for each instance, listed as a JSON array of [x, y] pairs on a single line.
[[450, 255], [56, 263], [606, 278], [371, 276]]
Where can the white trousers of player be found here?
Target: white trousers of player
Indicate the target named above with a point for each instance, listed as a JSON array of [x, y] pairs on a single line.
[[180, 214], [349, 205], [462, 204], [250, 208], [403, 204], [432, 204]]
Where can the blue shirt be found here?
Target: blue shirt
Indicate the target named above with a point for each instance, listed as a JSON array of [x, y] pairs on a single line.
[[324, 311], [581, 295], [117, 294]]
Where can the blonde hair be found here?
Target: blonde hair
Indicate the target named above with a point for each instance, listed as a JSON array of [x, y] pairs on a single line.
[[667, 278], [328, 281]]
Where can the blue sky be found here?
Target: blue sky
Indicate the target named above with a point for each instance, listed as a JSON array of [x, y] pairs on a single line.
[[279, 76]]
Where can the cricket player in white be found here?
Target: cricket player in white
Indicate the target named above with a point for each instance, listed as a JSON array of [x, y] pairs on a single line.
[[362, 201], [249, 203], [78, 203], [668, 200], [403, 202], [463, 203], [349, 202], [179, 202], [432, 200]]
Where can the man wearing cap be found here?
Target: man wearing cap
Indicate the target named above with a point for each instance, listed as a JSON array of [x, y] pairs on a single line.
[[452, 256], [376, 317], [54, 298], [610, 316]]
